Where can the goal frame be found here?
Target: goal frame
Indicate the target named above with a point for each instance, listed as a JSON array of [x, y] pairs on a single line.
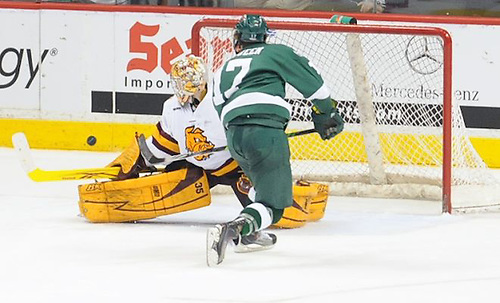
[[372, 29]]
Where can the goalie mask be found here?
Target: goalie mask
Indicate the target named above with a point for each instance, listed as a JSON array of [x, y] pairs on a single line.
[[188, 77], [250, 29]]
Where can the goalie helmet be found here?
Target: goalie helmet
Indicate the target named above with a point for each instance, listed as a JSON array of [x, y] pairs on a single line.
[[188, 77], [250, 29]]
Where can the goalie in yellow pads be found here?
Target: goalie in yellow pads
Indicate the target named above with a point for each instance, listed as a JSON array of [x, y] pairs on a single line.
[[187, 125]]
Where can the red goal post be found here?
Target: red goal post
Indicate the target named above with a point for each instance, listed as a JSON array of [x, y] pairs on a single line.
[[387, 150]]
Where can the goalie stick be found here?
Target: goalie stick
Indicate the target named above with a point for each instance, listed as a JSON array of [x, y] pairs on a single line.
[[23, 150], [37, 174]]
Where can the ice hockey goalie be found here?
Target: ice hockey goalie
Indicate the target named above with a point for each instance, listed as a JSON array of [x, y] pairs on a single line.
[[187, 125]]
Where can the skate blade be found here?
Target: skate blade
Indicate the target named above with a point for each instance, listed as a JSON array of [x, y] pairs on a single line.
[[213, 237], [240, 248]]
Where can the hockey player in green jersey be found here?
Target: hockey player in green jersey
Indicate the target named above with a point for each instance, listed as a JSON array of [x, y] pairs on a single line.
[[249, 92]]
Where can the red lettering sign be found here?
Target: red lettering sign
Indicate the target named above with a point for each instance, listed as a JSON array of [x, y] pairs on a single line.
[[138, 46], [170, 50]]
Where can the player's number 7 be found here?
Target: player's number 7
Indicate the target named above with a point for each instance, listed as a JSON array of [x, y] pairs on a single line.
[[244, 65]]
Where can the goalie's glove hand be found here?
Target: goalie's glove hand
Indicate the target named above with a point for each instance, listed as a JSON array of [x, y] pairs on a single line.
[[134, 170], [327, 124], [131, 162]]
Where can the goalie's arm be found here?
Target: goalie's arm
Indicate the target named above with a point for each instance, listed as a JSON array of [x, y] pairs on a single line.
[[148, 155], [143, 154]]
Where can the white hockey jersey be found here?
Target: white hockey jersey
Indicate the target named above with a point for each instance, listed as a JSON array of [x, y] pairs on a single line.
[[182, 130]]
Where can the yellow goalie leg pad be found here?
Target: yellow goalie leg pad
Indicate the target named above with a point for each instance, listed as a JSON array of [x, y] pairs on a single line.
[[144, 198], [317, 205], [309, 204]]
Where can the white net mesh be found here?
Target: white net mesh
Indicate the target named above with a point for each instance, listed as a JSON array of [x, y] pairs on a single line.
[[390, 92]]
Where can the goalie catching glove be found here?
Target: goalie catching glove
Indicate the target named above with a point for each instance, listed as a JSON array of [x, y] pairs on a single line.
[[327, 121], [131, 161]]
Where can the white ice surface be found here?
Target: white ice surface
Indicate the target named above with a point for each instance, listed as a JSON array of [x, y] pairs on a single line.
[[362, 250]]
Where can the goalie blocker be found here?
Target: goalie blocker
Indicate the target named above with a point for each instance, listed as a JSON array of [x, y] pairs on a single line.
[[181, 190]]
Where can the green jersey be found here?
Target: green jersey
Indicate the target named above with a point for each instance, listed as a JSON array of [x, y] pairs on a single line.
[[253, 82]]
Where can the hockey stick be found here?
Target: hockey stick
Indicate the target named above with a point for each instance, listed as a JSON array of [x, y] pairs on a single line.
[[148, 155], [37, 174], [152, 159], [301, 132]]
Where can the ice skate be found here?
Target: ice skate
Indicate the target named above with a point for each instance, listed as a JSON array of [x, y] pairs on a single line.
[[218, 238], [255, 242]]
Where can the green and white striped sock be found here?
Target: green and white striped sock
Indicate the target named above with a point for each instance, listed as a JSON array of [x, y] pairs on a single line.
[[257, 217]]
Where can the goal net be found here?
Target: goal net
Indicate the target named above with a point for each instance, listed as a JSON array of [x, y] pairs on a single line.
[[404, 134]]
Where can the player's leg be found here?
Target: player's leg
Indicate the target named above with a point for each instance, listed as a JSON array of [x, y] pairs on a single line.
[[263, 154]]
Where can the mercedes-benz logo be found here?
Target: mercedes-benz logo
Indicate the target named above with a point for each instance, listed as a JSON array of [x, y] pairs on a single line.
[[425, 54]]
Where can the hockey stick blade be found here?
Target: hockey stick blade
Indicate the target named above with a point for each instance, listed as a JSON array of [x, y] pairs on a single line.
[[22, 149]]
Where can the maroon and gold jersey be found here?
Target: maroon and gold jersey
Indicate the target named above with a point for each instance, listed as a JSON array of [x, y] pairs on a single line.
[[184, 129]]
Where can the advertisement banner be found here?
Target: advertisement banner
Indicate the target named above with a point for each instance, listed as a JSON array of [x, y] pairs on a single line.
[[113, 66], [20, 60], [146, 46]]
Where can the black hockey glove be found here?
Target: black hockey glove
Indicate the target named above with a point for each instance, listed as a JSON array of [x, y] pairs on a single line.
[[327, 124]]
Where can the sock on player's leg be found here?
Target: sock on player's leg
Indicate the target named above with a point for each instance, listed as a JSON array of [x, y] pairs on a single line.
[[257, 217]]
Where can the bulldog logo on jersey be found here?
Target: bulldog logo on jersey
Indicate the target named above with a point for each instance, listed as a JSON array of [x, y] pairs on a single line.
[[196, 141]]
